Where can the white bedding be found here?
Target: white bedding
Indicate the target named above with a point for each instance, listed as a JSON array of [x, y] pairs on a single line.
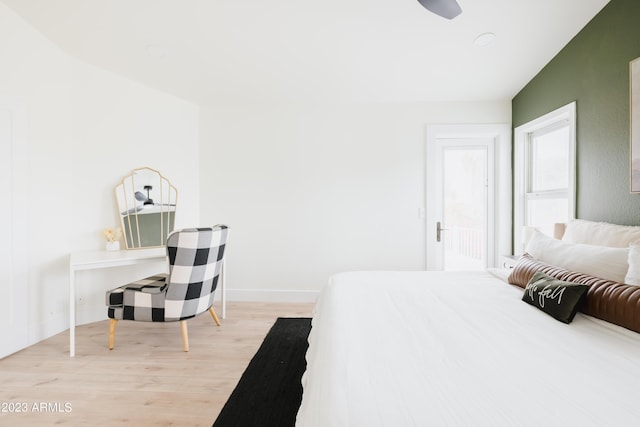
[[460, 348]]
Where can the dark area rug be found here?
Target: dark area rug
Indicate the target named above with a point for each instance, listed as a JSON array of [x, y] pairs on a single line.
[[269, 392]]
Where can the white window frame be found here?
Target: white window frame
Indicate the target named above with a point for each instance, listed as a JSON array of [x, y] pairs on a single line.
[[522, 163]]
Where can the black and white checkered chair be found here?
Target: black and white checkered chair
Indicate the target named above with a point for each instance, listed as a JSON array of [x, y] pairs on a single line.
[[195, 263]]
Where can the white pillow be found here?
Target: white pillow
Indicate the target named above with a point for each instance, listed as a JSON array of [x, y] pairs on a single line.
[[633, 275], [601, 234], [599, 261]]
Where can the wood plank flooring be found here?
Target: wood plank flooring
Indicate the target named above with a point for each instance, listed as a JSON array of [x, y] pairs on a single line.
[[146, 380]]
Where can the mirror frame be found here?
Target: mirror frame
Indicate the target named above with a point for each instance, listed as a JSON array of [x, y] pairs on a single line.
[[145, 188]]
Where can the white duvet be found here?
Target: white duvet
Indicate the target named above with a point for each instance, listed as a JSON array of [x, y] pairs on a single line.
[[460, 349]]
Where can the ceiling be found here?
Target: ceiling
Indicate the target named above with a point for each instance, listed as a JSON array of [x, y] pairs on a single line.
[[222, 51]]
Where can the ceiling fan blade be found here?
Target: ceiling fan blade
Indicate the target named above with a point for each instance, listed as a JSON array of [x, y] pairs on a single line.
[[140, 196], [446, 8]]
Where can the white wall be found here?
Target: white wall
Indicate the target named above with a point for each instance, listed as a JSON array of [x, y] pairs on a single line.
[[309, 191], [87, 128]]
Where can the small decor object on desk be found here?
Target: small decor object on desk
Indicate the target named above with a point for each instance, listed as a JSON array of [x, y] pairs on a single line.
[[113, 239]]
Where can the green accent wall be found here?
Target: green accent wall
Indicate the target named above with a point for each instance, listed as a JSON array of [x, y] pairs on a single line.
[[593, 70]]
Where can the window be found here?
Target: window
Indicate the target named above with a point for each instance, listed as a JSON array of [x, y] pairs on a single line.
[[544, 157]]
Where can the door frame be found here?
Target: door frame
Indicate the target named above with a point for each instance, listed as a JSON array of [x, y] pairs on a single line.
[[500, 135], [15, 332]]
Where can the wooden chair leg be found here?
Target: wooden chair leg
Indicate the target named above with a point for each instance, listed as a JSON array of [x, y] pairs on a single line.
[[185, 335], [112, 332], [213, 314]]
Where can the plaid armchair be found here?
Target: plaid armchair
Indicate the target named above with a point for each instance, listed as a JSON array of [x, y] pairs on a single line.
[[195, 260]]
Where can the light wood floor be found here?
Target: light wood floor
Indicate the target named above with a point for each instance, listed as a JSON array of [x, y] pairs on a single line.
[[146, 380]]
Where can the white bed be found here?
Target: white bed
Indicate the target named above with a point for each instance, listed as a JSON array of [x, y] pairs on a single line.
[[460, 348]]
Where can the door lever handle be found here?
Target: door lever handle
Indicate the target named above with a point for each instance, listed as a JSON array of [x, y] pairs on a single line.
[[439, 231]]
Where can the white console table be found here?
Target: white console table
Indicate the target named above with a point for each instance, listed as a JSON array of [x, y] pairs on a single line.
[[105, 259]]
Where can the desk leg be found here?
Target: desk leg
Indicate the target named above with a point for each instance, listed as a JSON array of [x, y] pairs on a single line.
[[72, 313], [223, 288]]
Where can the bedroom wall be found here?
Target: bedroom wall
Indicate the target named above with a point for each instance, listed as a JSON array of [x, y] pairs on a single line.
[[87, 128], [593, 69], [312, 190]]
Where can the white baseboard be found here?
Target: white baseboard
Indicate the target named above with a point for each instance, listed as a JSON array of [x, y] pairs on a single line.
[[261, 295]]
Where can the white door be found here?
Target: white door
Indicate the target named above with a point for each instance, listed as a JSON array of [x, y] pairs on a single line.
[[13, 255], [465, 226]]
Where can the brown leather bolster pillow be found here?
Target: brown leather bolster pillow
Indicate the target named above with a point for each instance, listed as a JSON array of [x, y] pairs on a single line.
[[614, 302]]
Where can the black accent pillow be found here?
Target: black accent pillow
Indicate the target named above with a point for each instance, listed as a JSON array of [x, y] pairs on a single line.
[[555, 297]]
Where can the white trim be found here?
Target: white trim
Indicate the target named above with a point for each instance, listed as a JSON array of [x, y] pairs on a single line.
[[500, 210], [272, 295], [568, 113], [16, 332]]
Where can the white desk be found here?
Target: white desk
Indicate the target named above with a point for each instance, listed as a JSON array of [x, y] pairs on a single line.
[[104, 259]]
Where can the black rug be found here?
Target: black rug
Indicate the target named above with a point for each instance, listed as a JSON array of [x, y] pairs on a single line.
[[269, 392]]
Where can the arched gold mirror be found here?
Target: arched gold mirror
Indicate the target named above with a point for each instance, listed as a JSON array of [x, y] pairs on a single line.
[[147, 208]]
